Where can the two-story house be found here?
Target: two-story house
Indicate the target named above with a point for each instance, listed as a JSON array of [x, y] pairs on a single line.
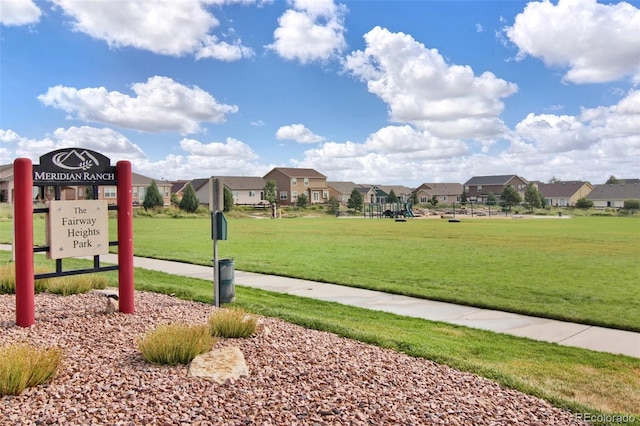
[[292, 182], [443, 192], [479, 187]]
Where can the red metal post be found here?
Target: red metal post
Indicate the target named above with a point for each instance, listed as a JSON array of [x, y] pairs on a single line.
[[23, 241], [125, 237]]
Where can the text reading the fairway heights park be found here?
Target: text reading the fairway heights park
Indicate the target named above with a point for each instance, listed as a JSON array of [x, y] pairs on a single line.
[[78, 228]]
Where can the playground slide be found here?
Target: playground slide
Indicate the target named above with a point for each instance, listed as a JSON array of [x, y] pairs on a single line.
[[409, 213]]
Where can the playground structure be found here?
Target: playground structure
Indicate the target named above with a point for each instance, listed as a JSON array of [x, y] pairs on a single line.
[[399, 210]]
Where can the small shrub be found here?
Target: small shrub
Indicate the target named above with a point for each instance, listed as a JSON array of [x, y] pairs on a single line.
[[232, 323], [24, 365], [8, 280], [175, 343], [76, 284]]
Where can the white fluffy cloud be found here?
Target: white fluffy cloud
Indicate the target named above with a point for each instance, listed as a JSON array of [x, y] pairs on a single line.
[[165, 27], [230, 158], [421, 88], [298, 133], [160, 104], [104, 140], [312, 31], [19, 12], [597, 42]]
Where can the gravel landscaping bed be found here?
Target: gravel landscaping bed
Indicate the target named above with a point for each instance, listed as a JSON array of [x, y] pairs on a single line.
[[297, 377]]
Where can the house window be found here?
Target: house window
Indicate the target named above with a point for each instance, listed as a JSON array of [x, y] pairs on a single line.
[[423, 199], [479, 189], [109, 192], [294, 181], [325, 194], [252, 194], [316, 196], [235, 194], [283, 195], [444, 198], [306, 181], [294, 195]]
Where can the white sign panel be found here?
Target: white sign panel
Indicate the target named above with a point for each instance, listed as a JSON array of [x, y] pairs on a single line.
[[77, 228]]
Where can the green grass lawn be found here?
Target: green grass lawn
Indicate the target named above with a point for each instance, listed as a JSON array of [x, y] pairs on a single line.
[[583, 269]]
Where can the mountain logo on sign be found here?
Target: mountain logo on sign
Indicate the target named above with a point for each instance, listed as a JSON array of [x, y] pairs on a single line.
[[74, 160]]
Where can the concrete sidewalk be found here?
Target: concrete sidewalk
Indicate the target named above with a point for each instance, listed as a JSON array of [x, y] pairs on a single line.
[[560, 332]]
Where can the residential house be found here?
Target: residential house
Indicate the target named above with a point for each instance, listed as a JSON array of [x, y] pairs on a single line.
[[403, 193], [370, 194], [564, 193], [341, 190], [445, 193], [613, 195], [140, 186], [292, 182], [246, 190], [6, 183], [479, 187]]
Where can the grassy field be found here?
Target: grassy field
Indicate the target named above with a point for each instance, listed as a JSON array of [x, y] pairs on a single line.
[[572, 378], [584, 269]]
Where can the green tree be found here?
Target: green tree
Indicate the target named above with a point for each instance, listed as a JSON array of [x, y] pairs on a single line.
[[491, 199], [464, 198], [583, 203], [355, 200], [392, 197], [532, 197], [433, 200], [543, 200], [302, 200], [189, 202], [152, 199], [510, 197], [88, 192], [227, 200], [612, 180], [270, 191], [554, 180], [631, 205], [333, 205]]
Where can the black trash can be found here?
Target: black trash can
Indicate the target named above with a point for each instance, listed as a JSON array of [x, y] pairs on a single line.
[[226, 271]]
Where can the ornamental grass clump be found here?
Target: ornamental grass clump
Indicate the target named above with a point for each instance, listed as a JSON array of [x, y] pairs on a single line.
[[175, 343], [76, 284], [8, 279], [232, 323], [23, 365]]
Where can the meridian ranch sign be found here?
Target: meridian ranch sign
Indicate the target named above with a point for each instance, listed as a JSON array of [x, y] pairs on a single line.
[[74, 167], [74, 227]]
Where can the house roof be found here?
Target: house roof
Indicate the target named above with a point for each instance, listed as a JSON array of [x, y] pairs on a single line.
[[491, 180], [239, 183], [617, 191], [343, 187], [561, 189], [442, 188], [397, 189], [138, 179], [297, 172], [178, 185]]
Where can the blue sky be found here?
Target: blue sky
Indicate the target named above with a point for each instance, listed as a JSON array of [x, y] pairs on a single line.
[[381, 92]]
